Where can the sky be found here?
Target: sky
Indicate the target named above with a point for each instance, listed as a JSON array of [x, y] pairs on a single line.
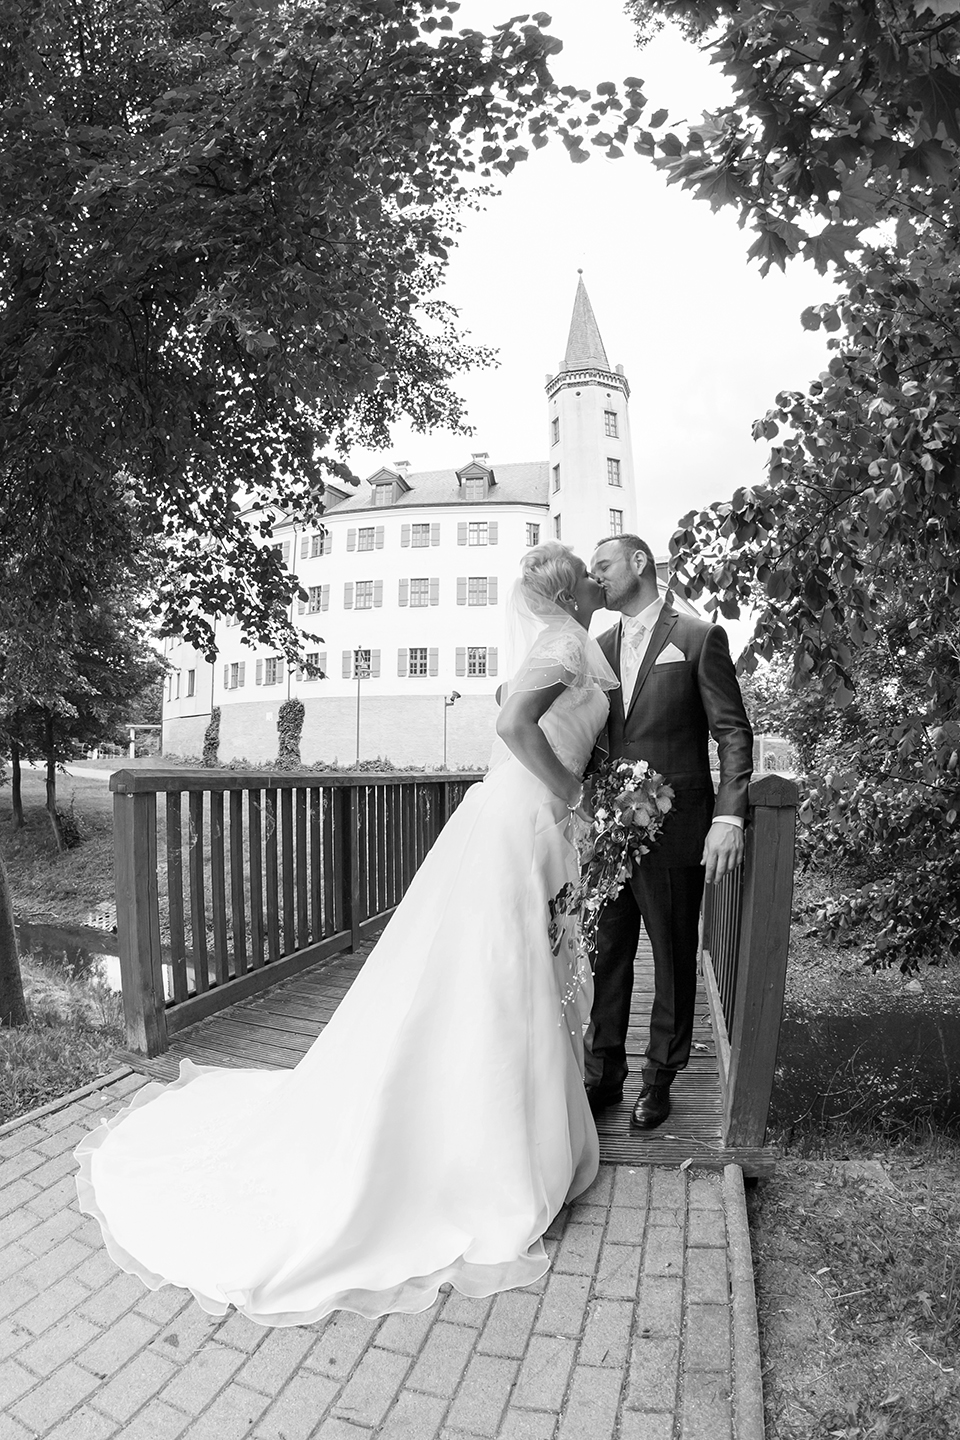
[[705, 342]]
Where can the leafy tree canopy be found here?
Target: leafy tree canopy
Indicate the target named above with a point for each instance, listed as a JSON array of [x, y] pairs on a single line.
[[220, 225]]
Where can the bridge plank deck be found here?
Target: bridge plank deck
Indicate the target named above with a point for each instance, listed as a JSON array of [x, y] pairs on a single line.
[[274, 1029]]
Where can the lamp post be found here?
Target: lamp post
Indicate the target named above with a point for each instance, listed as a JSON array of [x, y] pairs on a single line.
[[448, 700], [361, 663]]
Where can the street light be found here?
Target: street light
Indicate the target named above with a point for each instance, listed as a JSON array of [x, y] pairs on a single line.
[[448, 700], [361, 663]]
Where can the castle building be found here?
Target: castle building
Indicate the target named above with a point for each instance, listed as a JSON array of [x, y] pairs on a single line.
[[406, 581]]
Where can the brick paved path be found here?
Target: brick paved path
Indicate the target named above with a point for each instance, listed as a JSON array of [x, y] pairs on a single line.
[[643, 1329]]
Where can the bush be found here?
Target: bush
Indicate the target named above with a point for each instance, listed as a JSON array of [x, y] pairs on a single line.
[[289, 729], [211, 738]]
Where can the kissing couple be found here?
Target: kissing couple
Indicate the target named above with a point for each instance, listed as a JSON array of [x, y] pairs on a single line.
[[441, 1119]]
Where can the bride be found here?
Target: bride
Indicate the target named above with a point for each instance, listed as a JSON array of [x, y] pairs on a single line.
[[439, 1122]]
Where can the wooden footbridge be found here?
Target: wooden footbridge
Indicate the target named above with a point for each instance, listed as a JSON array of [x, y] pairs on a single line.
[[247, 903]]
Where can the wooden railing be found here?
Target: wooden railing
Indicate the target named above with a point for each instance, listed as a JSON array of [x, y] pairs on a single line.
[[746, 932], [240, 879]]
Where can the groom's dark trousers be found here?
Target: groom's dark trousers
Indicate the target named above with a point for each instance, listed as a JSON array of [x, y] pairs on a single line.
[[686, 690]]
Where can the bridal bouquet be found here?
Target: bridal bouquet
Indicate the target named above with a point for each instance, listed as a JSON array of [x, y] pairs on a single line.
[[630, 801]]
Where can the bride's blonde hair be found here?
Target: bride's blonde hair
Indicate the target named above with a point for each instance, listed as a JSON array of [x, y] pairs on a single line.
[[548, 570]]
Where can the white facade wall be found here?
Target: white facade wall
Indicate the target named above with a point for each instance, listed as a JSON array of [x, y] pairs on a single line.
[[578, 402]]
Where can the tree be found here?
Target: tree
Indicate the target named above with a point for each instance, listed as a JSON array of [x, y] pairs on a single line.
[[840, 146], [222, 226]]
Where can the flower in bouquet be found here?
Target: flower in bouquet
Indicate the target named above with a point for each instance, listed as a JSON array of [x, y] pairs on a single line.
[[630, 801]]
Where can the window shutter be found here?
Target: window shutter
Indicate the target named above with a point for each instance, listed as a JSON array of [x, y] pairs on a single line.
[[492, 532], [401, 662], [346, 664], [433, 661], [462, 532], [259, 676], [377, 593], [461, 660], [435, 534], [461, 589], [286, 552], [351, 539], [322, 665], [435, 590], [226, 677], [325, 597], [404, 592], [491, 659], [301, 606], [375, 664], [327, 543], [304, 547], [279, 668], [378, 538], [491, 589], [241, 672], [348, 595], [298, 673], [405, 535]]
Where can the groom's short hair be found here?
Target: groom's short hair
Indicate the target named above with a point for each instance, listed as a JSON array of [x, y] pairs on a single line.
[[630, 544]]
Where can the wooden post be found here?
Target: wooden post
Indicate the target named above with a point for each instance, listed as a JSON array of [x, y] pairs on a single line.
[[762, 961], [348, 799], [138, 921]]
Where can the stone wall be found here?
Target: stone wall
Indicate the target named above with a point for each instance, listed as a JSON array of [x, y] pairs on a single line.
[[406, 730]]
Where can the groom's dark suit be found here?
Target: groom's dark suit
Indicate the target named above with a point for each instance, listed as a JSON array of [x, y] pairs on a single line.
[[679, 699]]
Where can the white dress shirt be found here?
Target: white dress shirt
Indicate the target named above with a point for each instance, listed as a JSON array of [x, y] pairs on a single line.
[[635, 632]]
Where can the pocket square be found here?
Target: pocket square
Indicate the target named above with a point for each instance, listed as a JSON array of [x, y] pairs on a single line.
[[669, 655]]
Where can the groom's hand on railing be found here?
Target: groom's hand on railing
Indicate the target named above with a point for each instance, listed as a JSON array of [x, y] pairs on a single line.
[[722, 850]]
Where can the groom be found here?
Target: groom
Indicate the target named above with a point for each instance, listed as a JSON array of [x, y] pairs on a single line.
[[677, 687]]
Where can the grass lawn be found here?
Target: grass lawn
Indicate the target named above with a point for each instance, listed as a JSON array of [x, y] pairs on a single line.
[[47, 886], [856, 1247]]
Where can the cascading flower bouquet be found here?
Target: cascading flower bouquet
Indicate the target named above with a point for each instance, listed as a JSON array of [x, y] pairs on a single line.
[[630, 801]]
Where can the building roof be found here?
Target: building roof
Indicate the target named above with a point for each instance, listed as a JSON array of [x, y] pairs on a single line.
[[584, 346], [524, 483]]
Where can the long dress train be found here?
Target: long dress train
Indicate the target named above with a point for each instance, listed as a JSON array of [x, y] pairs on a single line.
[[432, 1131]]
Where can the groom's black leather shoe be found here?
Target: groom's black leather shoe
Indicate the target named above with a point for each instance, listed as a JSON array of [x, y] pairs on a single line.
[[652, 1108], [600, 1096]]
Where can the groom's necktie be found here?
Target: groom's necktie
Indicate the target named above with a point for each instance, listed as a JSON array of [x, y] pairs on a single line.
[[631, 653]]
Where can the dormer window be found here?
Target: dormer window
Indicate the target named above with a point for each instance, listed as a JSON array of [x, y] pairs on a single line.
[[476, 479], [387, 487], [383, 494]]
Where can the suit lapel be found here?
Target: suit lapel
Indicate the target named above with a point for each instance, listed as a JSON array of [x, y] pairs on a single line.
[[659, 638], [609, 643]]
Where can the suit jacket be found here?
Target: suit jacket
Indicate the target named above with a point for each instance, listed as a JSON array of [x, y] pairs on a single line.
[[678, 701]]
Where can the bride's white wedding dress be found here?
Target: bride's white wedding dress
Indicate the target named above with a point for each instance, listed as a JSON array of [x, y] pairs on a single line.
[[431, 1132]]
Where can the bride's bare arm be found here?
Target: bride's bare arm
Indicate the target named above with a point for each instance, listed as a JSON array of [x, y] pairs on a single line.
[[519, 728]]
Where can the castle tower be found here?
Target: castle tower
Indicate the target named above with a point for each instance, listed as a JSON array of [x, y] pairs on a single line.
[[592, 491]]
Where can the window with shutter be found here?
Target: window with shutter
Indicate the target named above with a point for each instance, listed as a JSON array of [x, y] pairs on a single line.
[[363, 595], [419, 592], [533, 534], [365, 537], [476, 660], [477, 590], [421, 536], [418, 660], [315, 598]]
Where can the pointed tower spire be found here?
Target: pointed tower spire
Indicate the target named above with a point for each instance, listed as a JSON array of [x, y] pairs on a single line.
[[584, 346]]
